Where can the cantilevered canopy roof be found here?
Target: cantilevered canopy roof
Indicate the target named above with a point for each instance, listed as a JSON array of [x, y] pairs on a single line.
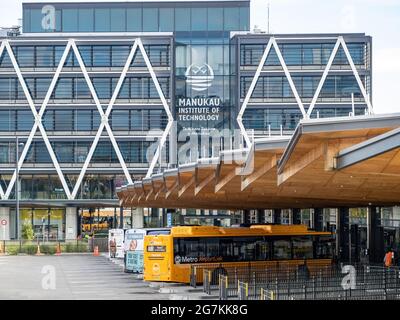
[[330, 162]]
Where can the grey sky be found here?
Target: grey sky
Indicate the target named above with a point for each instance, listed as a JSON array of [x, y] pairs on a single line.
[[378, 18]]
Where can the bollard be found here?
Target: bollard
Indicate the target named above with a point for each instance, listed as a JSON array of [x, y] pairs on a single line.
[[58, 250], [38, 253]]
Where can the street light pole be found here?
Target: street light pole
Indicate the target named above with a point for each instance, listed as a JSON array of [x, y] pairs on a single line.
[[17, 188]]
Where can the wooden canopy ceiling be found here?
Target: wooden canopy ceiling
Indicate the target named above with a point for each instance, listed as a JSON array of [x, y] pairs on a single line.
[[330, 162]]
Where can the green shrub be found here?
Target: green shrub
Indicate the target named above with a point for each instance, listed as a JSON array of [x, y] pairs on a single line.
[[12, 250], [48, 249], [27, 231], [29, 249]]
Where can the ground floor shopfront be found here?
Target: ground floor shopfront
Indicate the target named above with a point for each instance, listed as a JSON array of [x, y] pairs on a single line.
[[65, 223]]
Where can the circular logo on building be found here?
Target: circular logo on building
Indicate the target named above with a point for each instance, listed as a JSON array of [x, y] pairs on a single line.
[[178, 259], [199, 77]]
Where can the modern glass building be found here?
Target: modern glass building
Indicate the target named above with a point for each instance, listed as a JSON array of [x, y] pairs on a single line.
[[88, 87]]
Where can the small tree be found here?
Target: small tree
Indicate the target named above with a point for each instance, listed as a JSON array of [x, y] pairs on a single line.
[[27, 231]]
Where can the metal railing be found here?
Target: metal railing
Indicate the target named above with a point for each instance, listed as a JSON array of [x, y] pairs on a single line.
[[369, 283], [223, 287], [294, 282]]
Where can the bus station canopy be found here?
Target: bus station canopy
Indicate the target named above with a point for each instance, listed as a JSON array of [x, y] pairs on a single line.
[[328, 162]]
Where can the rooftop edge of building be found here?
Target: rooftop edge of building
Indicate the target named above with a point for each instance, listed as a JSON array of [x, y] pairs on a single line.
[[33, 2], [237, 34]]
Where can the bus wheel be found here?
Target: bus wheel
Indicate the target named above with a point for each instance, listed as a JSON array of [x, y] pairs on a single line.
[[215, 275]]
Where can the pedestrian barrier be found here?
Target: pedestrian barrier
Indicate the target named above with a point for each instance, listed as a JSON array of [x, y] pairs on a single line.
[[223, 287], [266, 294], [207, 281], [326, 283], [243, 290]]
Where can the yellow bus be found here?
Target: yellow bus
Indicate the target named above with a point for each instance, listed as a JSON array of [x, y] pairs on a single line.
[[170, 257]]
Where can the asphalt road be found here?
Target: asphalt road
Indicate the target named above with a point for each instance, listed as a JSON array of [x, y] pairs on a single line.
[[70, 277]]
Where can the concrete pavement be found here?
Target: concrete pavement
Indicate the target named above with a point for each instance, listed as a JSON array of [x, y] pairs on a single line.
[[70, 277]]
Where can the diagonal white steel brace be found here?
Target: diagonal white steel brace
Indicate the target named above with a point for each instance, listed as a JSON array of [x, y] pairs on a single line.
[[104, 117], [340, 41], [2, 46], [167, 130], [271, 43], [289, 78], [253, 83], [38, 120], [355, 72]]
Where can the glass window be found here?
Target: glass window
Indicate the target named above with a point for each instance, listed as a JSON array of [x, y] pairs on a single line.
[[244, 13], [83, 120], [4, 152], [69, 20], [86, 54], [312, 54], [119, 55], [7, 88], [102, 152], [324, 247], [327, 49], [57, 216], [48, 120], [102, 87], [101, 56], [118, 20], [81, 151], [36, 20], [26, 56], [102, 20], [357, 52], [45, 56], [26, 20], [166, 19], [41, 153], [5, 61], [81, 89], [85, 17], [199, 19], [182, 19], [134, 19], [302, 248], [282, 249], [150, 19], [24, 120], [292, 54], [63, 120], [120, 120], [64, 151], [231, 19], [155, 119], [274, 87], [215, 19], [58, 52], [63, 89], [124, 92], [5, 120], [136, 120]]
